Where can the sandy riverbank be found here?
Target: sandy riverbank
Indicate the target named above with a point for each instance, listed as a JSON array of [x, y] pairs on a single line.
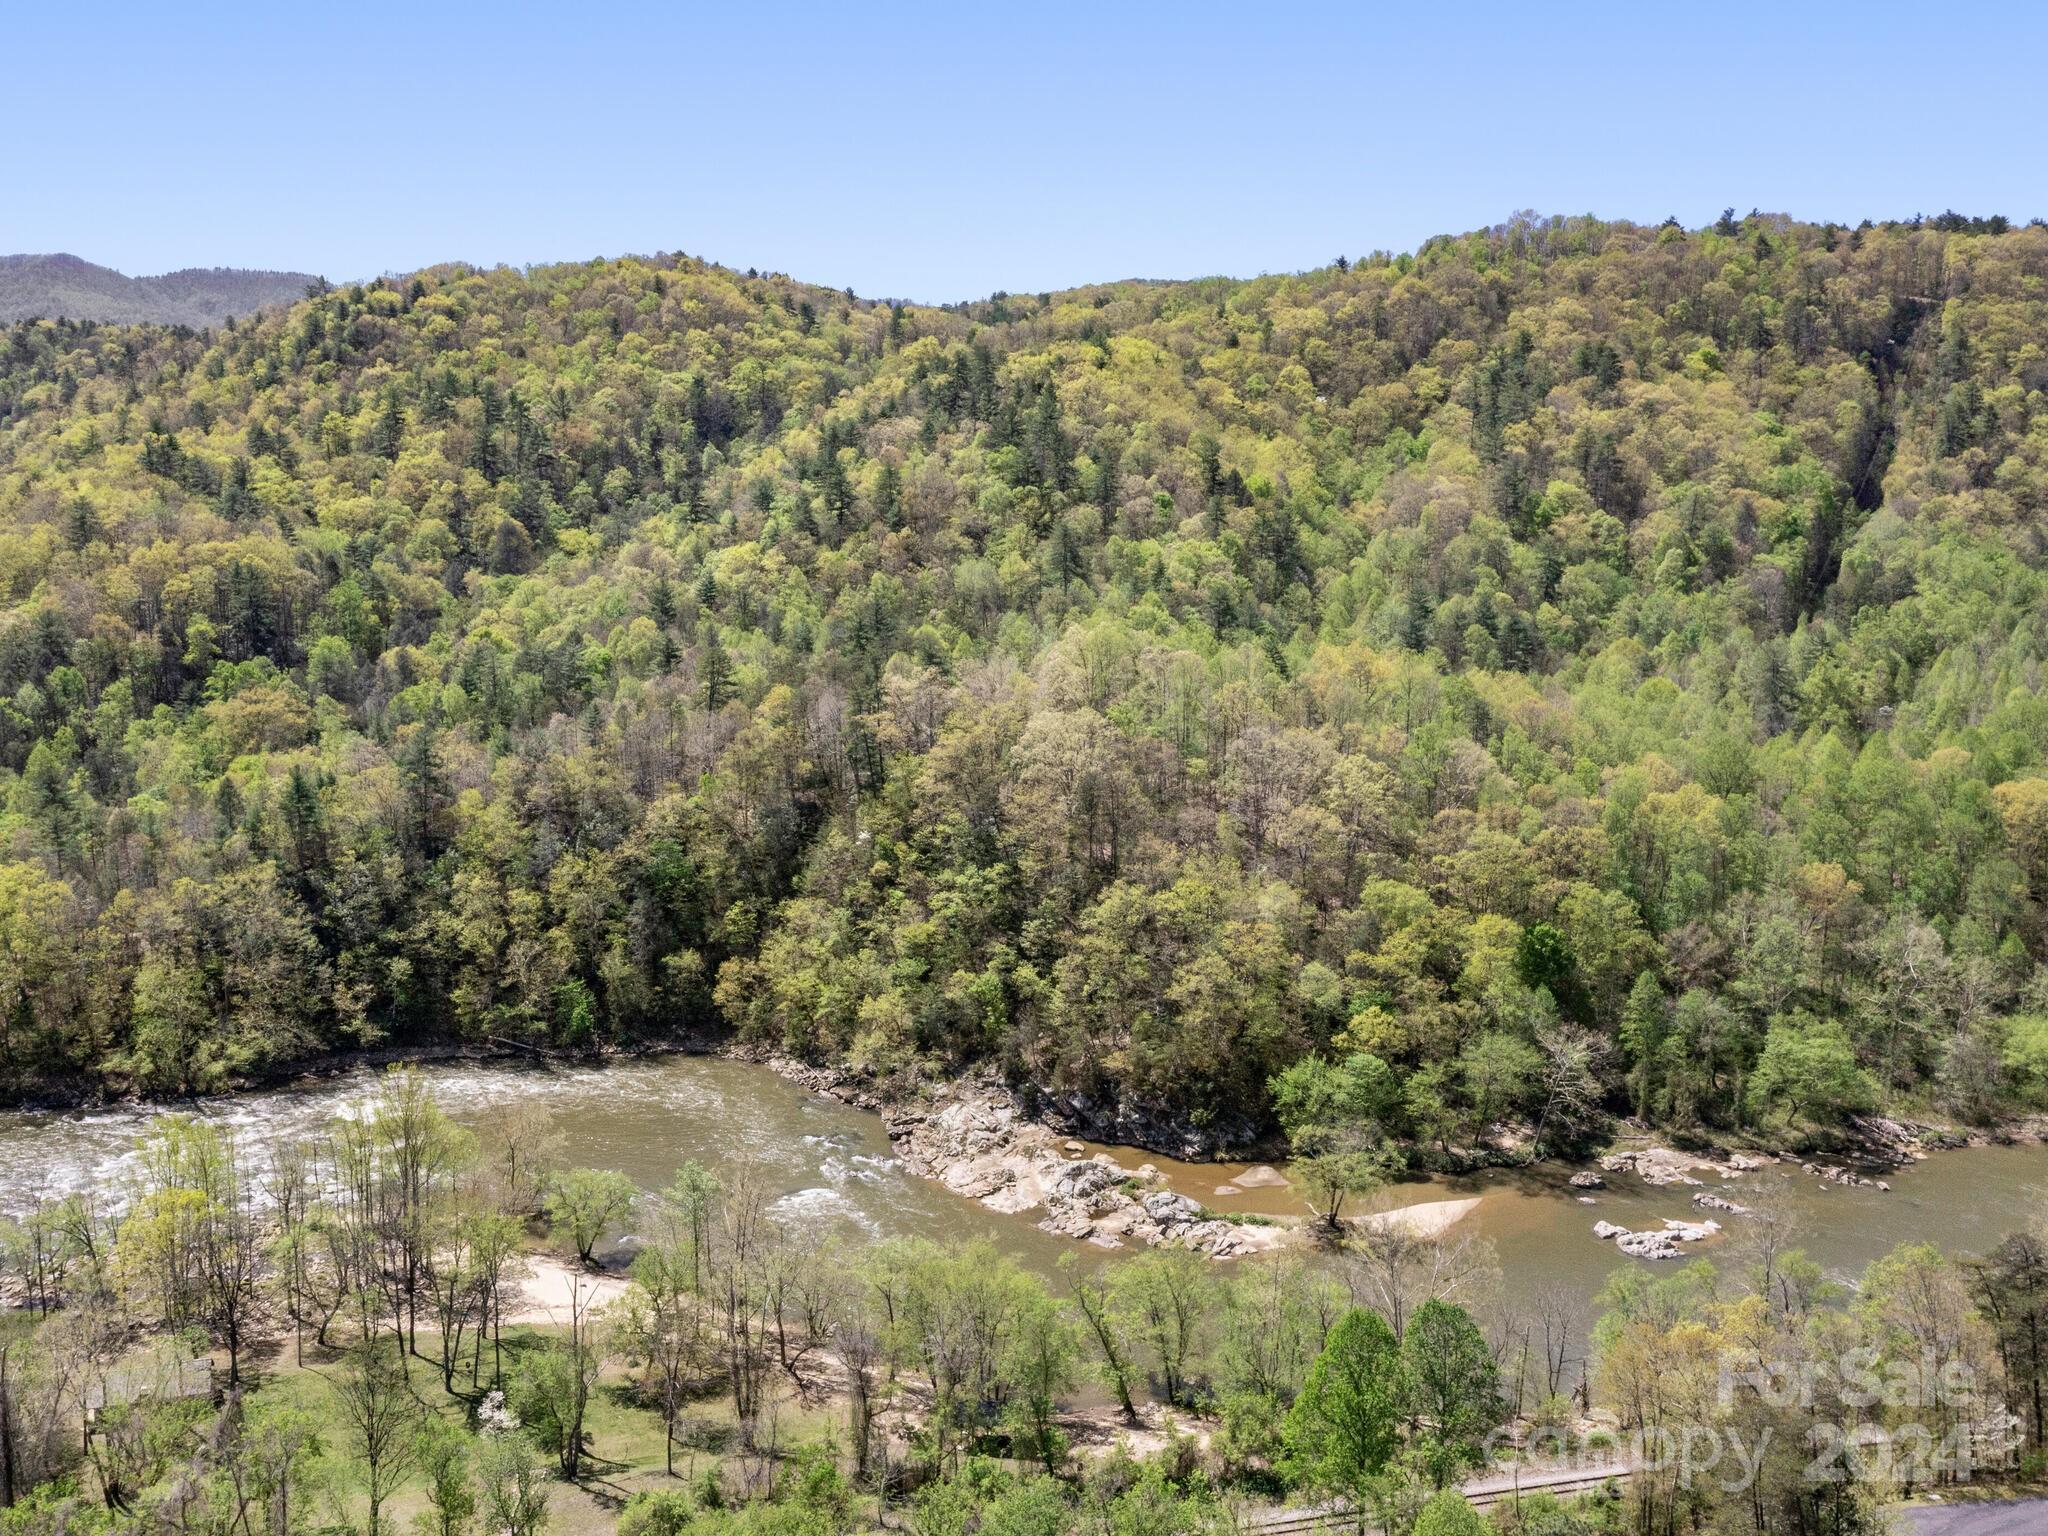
[[1430, 1219], [549, 1290]]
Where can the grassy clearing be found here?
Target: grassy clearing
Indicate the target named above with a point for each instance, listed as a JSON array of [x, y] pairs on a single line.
[[625, 1454]]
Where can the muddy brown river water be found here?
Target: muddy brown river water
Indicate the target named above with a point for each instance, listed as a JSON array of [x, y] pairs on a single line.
[[833, 1165]]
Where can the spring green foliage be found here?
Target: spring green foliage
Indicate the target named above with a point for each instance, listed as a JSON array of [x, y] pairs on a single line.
[[584, 1204], [1447, 1514], [1661, 1356], [515, 1497], [1332, 1113], [1810, 1073], [445, 1456], [1346, 1424], [935, 1358], [1120, 1495], [2026, 1054], [1450, 1385], [1615, 644]]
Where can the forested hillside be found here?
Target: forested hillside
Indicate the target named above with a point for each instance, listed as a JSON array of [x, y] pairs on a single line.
[[34, 287], [1577, 665]]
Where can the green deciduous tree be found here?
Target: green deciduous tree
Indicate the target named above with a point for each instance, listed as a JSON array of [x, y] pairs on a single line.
[[583, 1204], [1346, 1424], [1450, 1386], [1331, 1112]]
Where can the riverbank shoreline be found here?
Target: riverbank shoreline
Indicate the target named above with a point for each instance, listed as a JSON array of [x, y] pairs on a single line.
[[1871, 1140], [1002, 1147], [977, 1137], [310, 1071]]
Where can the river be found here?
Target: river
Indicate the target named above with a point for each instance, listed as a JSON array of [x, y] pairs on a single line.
[[833, 1163]]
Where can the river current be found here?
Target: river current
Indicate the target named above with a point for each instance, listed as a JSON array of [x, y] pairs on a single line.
[[833, 1165]]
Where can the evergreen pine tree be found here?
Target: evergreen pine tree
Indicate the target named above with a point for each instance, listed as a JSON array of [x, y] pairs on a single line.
[[716, 671], [889, 497], [389, 430]]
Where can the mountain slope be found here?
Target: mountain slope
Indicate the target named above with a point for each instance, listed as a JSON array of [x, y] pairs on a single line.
[[65, 287], [1574, 667]]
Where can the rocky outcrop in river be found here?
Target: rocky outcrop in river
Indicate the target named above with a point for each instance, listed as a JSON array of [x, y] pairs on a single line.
[[1655, 1244], [975, 1138], [1708, 1201], [1660, 1166]]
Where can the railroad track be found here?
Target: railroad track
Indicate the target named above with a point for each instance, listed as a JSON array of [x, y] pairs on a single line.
[[1481, 1493]]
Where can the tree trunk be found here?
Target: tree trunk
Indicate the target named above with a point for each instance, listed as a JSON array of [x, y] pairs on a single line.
[[6, 1435]]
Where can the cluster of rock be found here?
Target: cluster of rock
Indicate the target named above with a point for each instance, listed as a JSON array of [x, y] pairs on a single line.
[[1121, 1123], [1892, 1142], [1660, 1166], [1656, 1244], [1847, 1177], [827, 1082], [976, 1139], [1663, 1166], [1898, 1142], [1707, 1200], [1096, 1200]]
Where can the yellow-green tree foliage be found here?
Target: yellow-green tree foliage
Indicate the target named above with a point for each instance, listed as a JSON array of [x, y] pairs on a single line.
[[1140, 686]]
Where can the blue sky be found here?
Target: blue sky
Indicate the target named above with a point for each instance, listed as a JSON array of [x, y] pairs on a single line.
[[936, 153]]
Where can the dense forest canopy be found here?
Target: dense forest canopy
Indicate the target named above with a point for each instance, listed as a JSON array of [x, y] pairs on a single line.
[[1577, 666]]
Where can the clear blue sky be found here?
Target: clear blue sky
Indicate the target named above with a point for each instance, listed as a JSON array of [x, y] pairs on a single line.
[[936, 153]]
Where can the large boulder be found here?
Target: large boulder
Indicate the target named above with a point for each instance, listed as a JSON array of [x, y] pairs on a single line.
[[1080, 1181], [1169, 1209], [979, 1177]]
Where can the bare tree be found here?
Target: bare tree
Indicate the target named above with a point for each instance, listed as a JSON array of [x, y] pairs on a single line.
[[380, 1418], [521, 1149], [806, 1291], [417, 1153], [556, 1384], [450, 1279], [1560, 1324], [1572, 1063], [230, 1252], [743, 1241], [290, 1187], [493, 1240], [1765, 1236], [665, 1325], [190, 1243], [1394, 1269], [858, 1337]]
